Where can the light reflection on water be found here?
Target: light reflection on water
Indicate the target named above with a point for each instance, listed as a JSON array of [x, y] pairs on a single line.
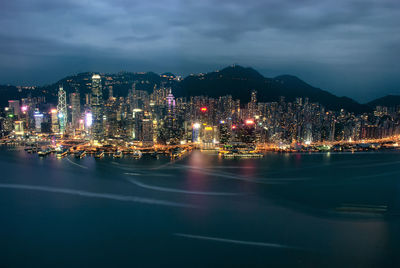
[[299, 211]]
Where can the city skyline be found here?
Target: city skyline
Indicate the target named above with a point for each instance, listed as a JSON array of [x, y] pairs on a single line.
[[156, 118], [348, 48]]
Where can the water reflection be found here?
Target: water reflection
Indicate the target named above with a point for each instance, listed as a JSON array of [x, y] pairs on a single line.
[[195, 180], [300, 212]]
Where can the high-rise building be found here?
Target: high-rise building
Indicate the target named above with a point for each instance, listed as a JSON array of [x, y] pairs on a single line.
[[171, 129], [196, 133], [110, 92], [14, 107], [62, 109], [97, 108], [170, 102], [38, 121], [19, 127], [147, 131], [75, 109], [137, 120], [252, 107], [55, 128]]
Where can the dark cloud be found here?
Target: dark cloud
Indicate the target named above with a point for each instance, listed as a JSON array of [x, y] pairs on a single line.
[[134, 39], [349, 47]]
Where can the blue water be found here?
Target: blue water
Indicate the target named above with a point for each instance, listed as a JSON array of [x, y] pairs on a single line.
[[200, 211]]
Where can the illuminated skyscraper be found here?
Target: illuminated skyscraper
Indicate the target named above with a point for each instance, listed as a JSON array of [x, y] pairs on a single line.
[[38, 121], [97, 107], [54, 121], [147, 131], [75, 109], [19, 127], [252, 106], [14, 106], [62, 109], [196, 132], [170, 123], [170, 102]]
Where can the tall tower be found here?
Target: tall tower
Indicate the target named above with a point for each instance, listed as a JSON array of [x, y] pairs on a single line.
[[62, 109], [170, 102], [97, 107], [110, 92], [75, 108], [170, 120], [14, 106], [253, 104]]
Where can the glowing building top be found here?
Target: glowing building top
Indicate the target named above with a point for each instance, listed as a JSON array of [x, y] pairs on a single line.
[[170, 101]]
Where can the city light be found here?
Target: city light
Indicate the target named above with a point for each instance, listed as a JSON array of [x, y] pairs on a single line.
[[148, 122], [88, 119]]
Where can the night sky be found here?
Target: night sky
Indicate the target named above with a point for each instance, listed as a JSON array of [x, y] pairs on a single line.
[[349, 47]]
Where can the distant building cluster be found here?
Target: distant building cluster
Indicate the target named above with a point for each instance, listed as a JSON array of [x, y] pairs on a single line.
[[160, 118]]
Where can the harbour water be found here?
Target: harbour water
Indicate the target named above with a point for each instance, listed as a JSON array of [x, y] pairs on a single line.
[[293, 210]]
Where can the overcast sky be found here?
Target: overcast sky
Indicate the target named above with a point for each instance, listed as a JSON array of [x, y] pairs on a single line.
[[348, 47]]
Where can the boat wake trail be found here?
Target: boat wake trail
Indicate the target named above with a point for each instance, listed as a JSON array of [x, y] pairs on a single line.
[[116, 197], [241, 242], [148, 174], [144, 171], [377, 175], [373, 165], [172, 190], [165, 165], [234, 177], [72, 162]]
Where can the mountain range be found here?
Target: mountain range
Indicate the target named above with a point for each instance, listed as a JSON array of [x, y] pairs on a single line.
[[234, 80], [239, 81]]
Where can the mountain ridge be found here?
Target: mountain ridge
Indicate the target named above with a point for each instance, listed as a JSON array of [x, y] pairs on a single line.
[[239, 81], [388, 100], [234, 80]]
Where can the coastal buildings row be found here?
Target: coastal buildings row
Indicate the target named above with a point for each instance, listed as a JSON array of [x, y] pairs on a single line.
[[157, 117]]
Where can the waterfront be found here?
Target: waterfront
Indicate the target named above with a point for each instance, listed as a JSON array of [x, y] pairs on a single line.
[[299, 209]]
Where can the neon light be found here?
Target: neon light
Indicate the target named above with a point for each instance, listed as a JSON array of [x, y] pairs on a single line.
[[249, 122], [196, 125], [88, 119], [203, 109]]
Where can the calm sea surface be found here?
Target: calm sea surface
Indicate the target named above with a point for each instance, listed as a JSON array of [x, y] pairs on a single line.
[[307, 210]]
